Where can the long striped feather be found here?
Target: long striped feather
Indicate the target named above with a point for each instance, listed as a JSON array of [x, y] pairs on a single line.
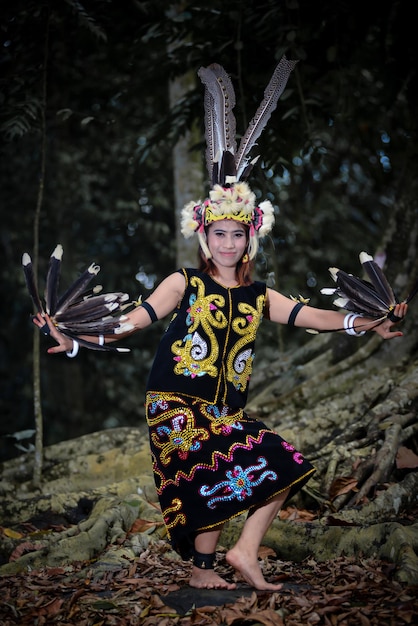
[[272, 94], [212, 147], [52, 280], [220, 125]]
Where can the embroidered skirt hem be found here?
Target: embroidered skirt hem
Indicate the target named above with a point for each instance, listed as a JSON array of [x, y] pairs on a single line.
[[212, 463]]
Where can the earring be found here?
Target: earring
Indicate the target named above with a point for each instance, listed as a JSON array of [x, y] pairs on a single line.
[[245, 258]]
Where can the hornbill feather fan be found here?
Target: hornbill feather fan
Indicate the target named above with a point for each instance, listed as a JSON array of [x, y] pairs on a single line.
[[373, 298], [78, 311]]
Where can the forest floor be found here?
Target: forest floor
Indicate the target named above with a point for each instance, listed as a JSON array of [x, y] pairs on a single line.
[[152, 590], [149, 586]]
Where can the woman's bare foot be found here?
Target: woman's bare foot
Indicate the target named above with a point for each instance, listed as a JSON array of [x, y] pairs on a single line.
[[208, 579], [250, 570]]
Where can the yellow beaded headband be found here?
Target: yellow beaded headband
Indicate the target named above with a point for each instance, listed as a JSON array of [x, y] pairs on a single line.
[[228, 167], [236, 202]]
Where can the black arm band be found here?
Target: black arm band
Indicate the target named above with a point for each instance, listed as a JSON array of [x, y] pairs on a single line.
[[150, 311], [293, 313], [391, 316]]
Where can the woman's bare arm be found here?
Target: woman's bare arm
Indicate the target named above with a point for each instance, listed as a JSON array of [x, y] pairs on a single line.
[[280, 307], [163, 300]]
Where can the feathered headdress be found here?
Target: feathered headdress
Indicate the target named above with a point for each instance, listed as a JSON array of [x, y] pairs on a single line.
[[373, 298], [77, 312], [229, 167]]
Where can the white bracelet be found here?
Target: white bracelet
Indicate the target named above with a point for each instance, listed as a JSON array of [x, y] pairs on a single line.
[[349, 325], [101, 340], [74, 351]]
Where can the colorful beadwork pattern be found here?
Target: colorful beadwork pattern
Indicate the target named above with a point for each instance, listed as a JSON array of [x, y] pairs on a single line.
[[211, 461]]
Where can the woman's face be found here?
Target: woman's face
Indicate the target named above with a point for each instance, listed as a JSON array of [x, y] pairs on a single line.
[[227, 242]]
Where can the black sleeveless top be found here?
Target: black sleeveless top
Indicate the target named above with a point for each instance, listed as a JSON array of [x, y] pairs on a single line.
[[207, 350]]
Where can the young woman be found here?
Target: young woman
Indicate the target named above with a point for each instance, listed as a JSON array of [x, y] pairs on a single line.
[[211, 461]]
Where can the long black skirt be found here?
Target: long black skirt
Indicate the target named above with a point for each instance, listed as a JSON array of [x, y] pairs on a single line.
[[212, 463]]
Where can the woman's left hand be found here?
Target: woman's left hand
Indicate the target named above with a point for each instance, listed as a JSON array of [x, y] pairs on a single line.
[[45, 325], [385, 329]]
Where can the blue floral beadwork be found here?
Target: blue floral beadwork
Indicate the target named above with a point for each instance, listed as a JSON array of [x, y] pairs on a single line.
[[239, 485]]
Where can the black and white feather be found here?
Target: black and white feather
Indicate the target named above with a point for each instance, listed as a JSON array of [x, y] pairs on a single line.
[[80, 310], [373, 298], [223, 159], [272, 94], [220, 125]]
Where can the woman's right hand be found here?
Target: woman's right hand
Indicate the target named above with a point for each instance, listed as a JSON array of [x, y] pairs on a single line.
[[45, 325]]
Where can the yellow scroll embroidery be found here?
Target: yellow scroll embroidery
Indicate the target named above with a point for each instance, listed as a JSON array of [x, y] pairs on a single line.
[[240, 359], [197, 353]]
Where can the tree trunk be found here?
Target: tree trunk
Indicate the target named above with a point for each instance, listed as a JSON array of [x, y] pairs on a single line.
[[187, 172]]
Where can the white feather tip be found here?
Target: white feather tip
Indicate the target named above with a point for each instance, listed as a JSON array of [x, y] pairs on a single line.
[[94, 269], [58, 252], [26, 260], [333, 271], [364, 257]]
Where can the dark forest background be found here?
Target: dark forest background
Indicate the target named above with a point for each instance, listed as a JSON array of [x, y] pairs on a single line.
[[86, 113]]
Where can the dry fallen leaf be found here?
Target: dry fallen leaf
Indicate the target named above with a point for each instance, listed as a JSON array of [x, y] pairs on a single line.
[[406, 458], [142, 525], [341, 485], [264, 552], [297, 515]]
